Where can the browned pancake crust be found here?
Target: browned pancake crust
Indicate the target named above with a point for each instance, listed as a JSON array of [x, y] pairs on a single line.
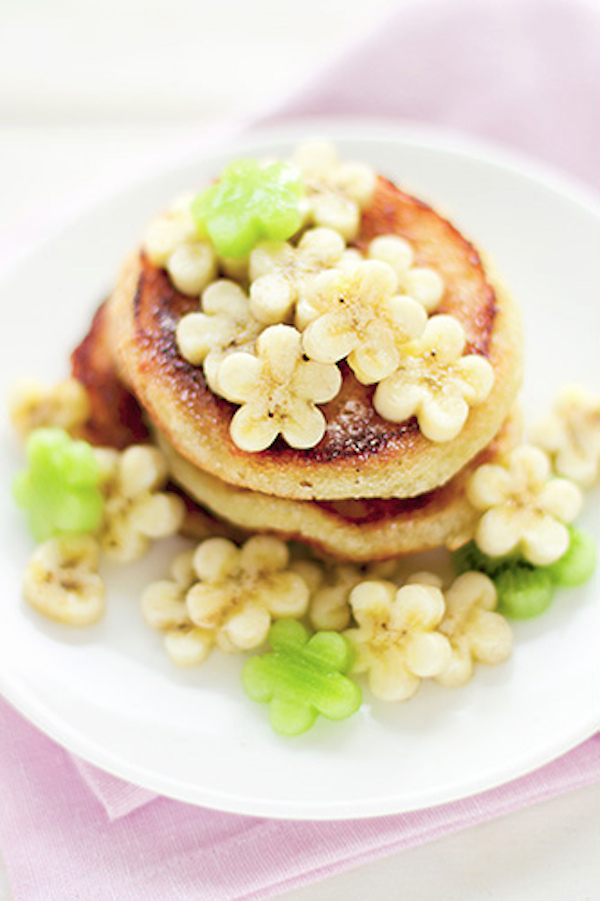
[[116, 417], [361, 454], [362, 530]]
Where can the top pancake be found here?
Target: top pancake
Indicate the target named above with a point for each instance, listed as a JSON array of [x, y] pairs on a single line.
[[361, 454]]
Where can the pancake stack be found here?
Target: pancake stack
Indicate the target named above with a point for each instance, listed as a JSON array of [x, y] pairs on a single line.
[[377, 483]]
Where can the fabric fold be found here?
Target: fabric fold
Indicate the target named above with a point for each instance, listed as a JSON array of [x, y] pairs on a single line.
[[59, 842]]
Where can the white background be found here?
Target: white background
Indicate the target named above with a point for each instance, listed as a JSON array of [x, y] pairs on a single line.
[[94, 90]]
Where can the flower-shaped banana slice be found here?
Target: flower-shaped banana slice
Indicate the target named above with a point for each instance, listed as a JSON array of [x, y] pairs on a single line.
[[164, 608], [396, 641], [250, 202], [224, 325], [571, 435], [32, 405], [358, 317], [60, 488], [523, 590], [476, 633], [173, 242], [330, 584], [136, 511], [435, 383], [279, 272], [240, 590], [192, 266], [574, 568], [237, 269], [419, 282], [278, 390], [523, 508], [169, 229], [337, 191], [424, 577], [329, 606], [302, 678], [62, 581]]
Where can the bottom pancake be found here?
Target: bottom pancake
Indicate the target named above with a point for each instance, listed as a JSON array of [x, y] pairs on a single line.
[[360, 530]]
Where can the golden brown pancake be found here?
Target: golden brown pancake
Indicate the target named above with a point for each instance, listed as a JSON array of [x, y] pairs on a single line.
[[361, 454], [363, 529], [360, 530], [116, 417]]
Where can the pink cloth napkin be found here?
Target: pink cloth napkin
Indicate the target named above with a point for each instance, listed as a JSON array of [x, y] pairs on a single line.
[[524, 72], [60, 845]]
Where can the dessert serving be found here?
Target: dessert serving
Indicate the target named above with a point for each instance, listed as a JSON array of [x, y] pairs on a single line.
[[314, 376]]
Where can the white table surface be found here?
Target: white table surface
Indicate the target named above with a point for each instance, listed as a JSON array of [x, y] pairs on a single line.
[[59, 137]]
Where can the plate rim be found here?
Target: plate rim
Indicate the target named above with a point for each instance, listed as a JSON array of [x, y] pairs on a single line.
[[63, 213], [331, 811], [340, 128]]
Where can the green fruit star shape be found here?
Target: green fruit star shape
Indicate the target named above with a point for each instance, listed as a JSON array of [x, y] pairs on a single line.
[[302, 678], [250, 202], [60, 489]]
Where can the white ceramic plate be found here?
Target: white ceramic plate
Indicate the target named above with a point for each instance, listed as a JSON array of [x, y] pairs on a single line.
[[110, 695]]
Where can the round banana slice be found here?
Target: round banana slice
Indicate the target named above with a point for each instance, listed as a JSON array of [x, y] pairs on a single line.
[[61, 580]]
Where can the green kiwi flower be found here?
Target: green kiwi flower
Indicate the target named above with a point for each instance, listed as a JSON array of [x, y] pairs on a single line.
[[302, 678], [60, 489], [250, 202], [525, 590]]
